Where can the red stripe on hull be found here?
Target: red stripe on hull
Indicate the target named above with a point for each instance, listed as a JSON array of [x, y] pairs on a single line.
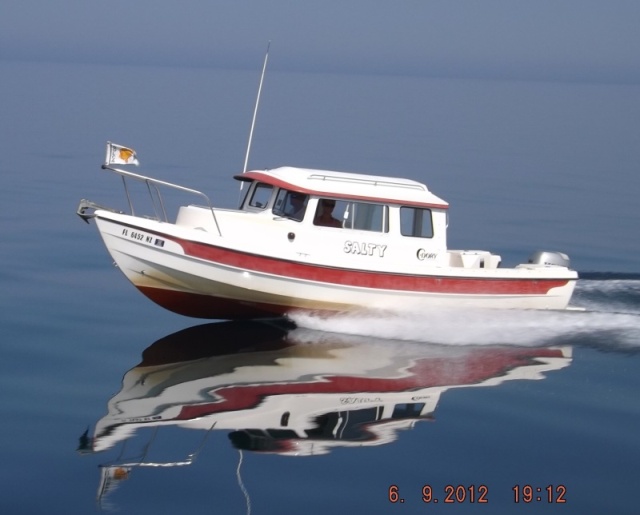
[[365, 279]]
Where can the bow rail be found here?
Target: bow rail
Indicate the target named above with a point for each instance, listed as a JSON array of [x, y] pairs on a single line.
[[153, 187]]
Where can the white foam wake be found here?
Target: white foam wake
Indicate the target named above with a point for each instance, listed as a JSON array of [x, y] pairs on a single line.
[[610, 318]]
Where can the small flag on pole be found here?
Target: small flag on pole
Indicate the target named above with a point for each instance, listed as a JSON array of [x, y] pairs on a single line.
[[119, 155]]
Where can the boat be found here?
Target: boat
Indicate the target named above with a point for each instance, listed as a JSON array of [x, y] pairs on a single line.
[[309, 240]]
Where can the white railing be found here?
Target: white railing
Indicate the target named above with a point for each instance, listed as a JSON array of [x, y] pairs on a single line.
[[156, 201]]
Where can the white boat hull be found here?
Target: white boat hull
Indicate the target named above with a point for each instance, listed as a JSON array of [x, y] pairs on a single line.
[[200, 274]]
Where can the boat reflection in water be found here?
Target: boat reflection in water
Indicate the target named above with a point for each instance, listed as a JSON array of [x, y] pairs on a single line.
[[295, 392]]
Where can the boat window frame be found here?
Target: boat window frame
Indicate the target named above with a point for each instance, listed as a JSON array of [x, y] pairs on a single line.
[[259, 187], [415, 227], [338, 203], [284, 197], [348, 220]]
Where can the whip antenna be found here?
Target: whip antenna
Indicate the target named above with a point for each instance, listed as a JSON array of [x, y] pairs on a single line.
[[255, 110]]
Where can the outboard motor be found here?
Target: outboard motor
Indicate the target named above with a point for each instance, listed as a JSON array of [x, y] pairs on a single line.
[[543, 257]]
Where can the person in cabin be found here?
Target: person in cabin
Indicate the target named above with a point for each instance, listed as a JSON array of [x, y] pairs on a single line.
[[324, 214], [297, 205]]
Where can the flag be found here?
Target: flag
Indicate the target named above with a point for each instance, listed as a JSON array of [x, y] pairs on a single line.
[[119, 155]]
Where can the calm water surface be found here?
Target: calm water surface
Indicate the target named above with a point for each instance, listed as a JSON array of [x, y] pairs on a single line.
[[111, 404]]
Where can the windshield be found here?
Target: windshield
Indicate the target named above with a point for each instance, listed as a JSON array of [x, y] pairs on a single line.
[[291, 204]]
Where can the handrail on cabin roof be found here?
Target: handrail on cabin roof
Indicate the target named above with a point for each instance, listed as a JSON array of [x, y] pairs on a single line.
[[373, 182]]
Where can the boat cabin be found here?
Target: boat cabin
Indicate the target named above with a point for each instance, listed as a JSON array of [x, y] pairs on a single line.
[[363, 221], [347, 201], [339, 201]]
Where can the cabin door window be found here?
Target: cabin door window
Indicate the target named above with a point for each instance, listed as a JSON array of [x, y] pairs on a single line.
[[416, 222]]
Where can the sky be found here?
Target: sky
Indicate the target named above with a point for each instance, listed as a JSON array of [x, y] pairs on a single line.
[[518, 39]]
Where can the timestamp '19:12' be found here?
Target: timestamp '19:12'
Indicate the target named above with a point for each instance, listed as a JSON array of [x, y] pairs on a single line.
[[527, 494]]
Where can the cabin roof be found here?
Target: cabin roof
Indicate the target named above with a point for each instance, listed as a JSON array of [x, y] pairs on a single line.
[[348, 185]]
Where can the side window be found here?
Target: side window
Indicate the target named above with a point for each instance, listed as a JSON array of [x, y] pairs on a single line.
[[329, 213], [261, 195], [290, 204], [416, 222], [366, 217]]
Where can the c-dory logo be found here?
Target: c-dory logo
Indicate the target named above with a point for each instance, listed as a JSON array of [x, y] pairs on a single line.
[[423, 254]]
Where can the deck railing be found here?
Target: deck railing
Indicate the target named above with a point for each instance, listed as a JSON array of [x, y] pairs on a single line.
[[157, 201]]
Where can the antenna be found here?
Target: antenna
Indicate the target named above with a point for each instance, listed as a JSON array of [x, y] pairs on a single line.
[[255, 110]]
